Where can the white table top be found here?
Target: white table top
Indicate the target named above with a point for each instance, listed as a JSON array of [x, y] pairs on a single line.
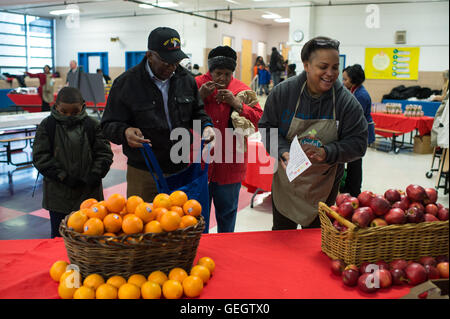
[[19, 120]]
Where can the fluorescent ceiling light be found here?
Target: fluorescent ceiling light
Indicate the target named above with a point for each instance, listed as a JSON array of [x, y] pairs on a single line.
[[145, 6], [167, 4], [270, 15], [283, 20], [65, 11], [232, 1]]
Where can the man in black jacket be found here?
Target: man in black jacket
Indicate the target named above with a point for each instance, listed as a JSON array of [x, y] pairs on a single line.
[[146, 103]]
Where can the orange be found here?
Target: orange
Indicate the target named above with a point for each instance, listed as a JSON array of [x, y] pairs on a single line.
[[93, 281], [158, 276], [129, 291], [107, 240], [71, 278], [170, 221], [115, 203], [202, 272], [88, 203], [178, 274], [192, 286], [192, 207], [178, 198], [97, 210], [124, 211], [188, 220], [153, 227], [178, 210], [106, 291], [76, 221], [132, 203], [113, 223], [172, 289], [93, 226], [57, 269], [132, 225], [145, 212], [151, 290], [162, 200], [159, 212], [116, 281], [84, 293], [66, 292], [137, 279], [208, 263]]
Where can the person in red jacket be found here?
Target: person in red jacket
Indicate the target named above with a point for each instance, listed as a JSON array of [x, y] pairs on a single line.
[[45, 89], [228, 102]]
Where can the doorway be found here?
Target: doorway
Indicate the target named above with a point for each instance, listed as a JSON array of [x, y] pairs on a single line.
[[246, 62]]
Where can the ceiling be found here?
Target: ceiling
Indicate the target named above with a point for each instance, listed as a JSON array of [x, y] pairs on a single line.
[[248, 10]]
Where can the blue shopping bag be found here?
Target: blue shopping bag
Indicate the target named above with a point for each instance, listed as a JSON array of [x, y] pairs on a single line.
[[193, 180]]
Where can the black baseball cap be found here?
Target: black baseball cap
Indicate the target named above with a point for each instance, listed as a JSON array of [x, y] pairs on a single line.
[[166, 42]]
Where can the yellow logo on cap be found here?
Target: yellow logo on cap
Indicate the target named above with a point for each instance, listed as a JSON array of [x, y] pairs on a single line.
[[174, 41]]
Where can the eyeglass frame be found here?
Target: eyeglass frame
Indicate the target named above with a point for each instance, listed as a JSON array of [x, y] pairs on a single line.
[[163, 61]]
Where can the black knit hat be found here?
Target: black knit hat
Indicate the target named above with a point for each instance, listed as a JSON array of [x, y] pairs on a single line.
[[222, 57]]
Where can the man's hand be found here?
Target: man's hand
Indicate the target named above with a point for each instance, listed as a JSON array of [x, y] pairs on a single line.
[[135, 138], [227, 96], [207, 89], [284, 159], [209, 135], [315, 154]]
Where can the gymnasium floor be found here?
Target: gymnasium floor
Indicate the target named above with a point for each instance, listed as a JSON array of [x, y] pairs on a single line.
[[22, 216]]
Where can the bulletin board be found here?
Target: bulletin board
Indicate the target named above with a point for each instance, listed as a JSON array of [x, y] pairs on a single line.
[[401, 63]]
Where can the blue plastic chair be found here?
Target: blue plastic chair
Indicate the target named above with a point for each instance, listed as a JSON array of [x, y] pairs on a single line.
[[193, 180]]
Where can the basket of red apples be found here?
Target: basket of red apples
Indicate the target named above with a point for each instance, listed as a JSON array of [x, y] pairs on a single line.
[[395, 225], [371, 277]]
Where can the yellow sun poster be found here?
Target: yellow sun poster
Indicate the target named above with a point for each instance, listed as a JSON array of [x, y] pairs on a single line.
[[392, 63]]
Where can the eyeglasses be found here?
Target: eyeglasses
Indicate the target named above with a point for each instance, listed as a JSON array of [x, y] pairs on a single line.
[[160, 59], [328, 43]]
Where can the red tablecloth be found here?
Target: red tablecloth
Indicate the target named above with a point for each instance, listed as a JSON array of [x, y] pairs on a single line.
[[251, 265], [402, 123], [33, 102], [259, 169]]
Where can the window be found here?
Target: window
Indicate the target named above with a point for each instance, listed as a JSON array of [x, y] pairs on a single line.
[[26, 43]]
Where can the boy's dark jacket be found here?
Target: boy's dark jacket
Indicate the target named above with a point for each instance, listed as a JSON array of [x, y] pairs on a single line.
[[73, 169]]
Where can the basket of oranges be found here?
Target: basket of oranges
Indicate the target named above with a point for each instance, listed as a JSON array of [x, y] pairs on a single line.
[[124, 236]]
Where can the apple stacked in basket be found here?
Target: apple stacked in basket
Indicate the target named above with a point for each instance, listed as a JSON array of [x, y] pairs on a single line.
[[416, 205]]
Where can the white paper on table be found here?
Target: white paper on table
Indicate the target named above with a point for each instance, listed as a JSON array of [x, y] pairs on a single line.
[[298, 161]]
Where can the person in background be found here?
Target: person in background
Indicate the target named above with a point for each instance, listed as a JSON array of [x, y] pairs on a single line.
[[106, 78], [264, 80], [72, 164], [259, 62], [353, 78], [230, 103], [46, 86], [444, 90], [146, 102], [276, 66], [73, 76], [196, 70], [330, 126], [291, 70]]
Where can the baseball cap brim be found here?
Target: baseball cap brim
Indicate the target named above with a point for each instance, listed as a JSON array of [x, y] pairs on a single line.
[[172, 56]]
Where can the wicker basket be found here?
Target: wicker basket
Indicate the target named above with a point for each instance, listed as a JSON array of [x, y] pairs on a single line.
[[132, 254], [358, 245]]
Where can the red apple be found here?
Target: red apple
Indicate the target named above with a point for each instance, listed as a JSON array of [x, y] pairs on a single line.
[[402, 205], [414, 215], [384, 277], [416, 273], [378, 222], [416, 193], [366, 283], [345, 210], [439, 205], [392, 195], [339, 226], [362, 217], [354, 201], [341, 198], [431, 196], [428, 260], [379, 205], [432, 272], [398, 276], [419, 206], [350, 277], [363, 267], [441, 258], [364, 198], [334, 207], [431, 218], [382, 264], [398, 264], [337, 266], [443, 269], [395, 216], [431, 209], [443, 214], [352, 266]]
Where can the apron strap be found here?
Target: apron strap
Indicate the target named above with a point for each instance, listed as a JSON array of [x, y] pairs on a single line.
[[300, 96]]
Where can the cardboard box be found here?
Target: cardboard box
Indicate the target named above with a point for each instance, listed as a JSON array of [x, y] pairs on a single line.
[[422, 144]]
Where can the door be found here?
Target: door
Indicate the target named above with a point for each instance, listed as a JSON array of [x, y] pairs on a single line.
[[133, 58], [91, 61], [246, 62]]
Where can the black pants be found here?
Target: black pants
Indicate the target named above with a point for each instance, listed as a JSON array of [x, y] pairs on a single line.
[[353, 181], [56, 219], [45, 107], [280, 222]]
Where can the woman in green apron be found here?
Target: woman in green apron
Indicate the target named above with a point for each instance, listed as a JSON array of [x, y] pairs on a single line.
[[331, 128]]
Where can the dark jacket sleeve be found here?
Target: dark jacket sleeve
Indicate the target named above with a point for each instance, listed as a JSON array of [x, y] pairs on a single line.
[[198, 109], [43, 158], [352, 141], [102, 154]]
